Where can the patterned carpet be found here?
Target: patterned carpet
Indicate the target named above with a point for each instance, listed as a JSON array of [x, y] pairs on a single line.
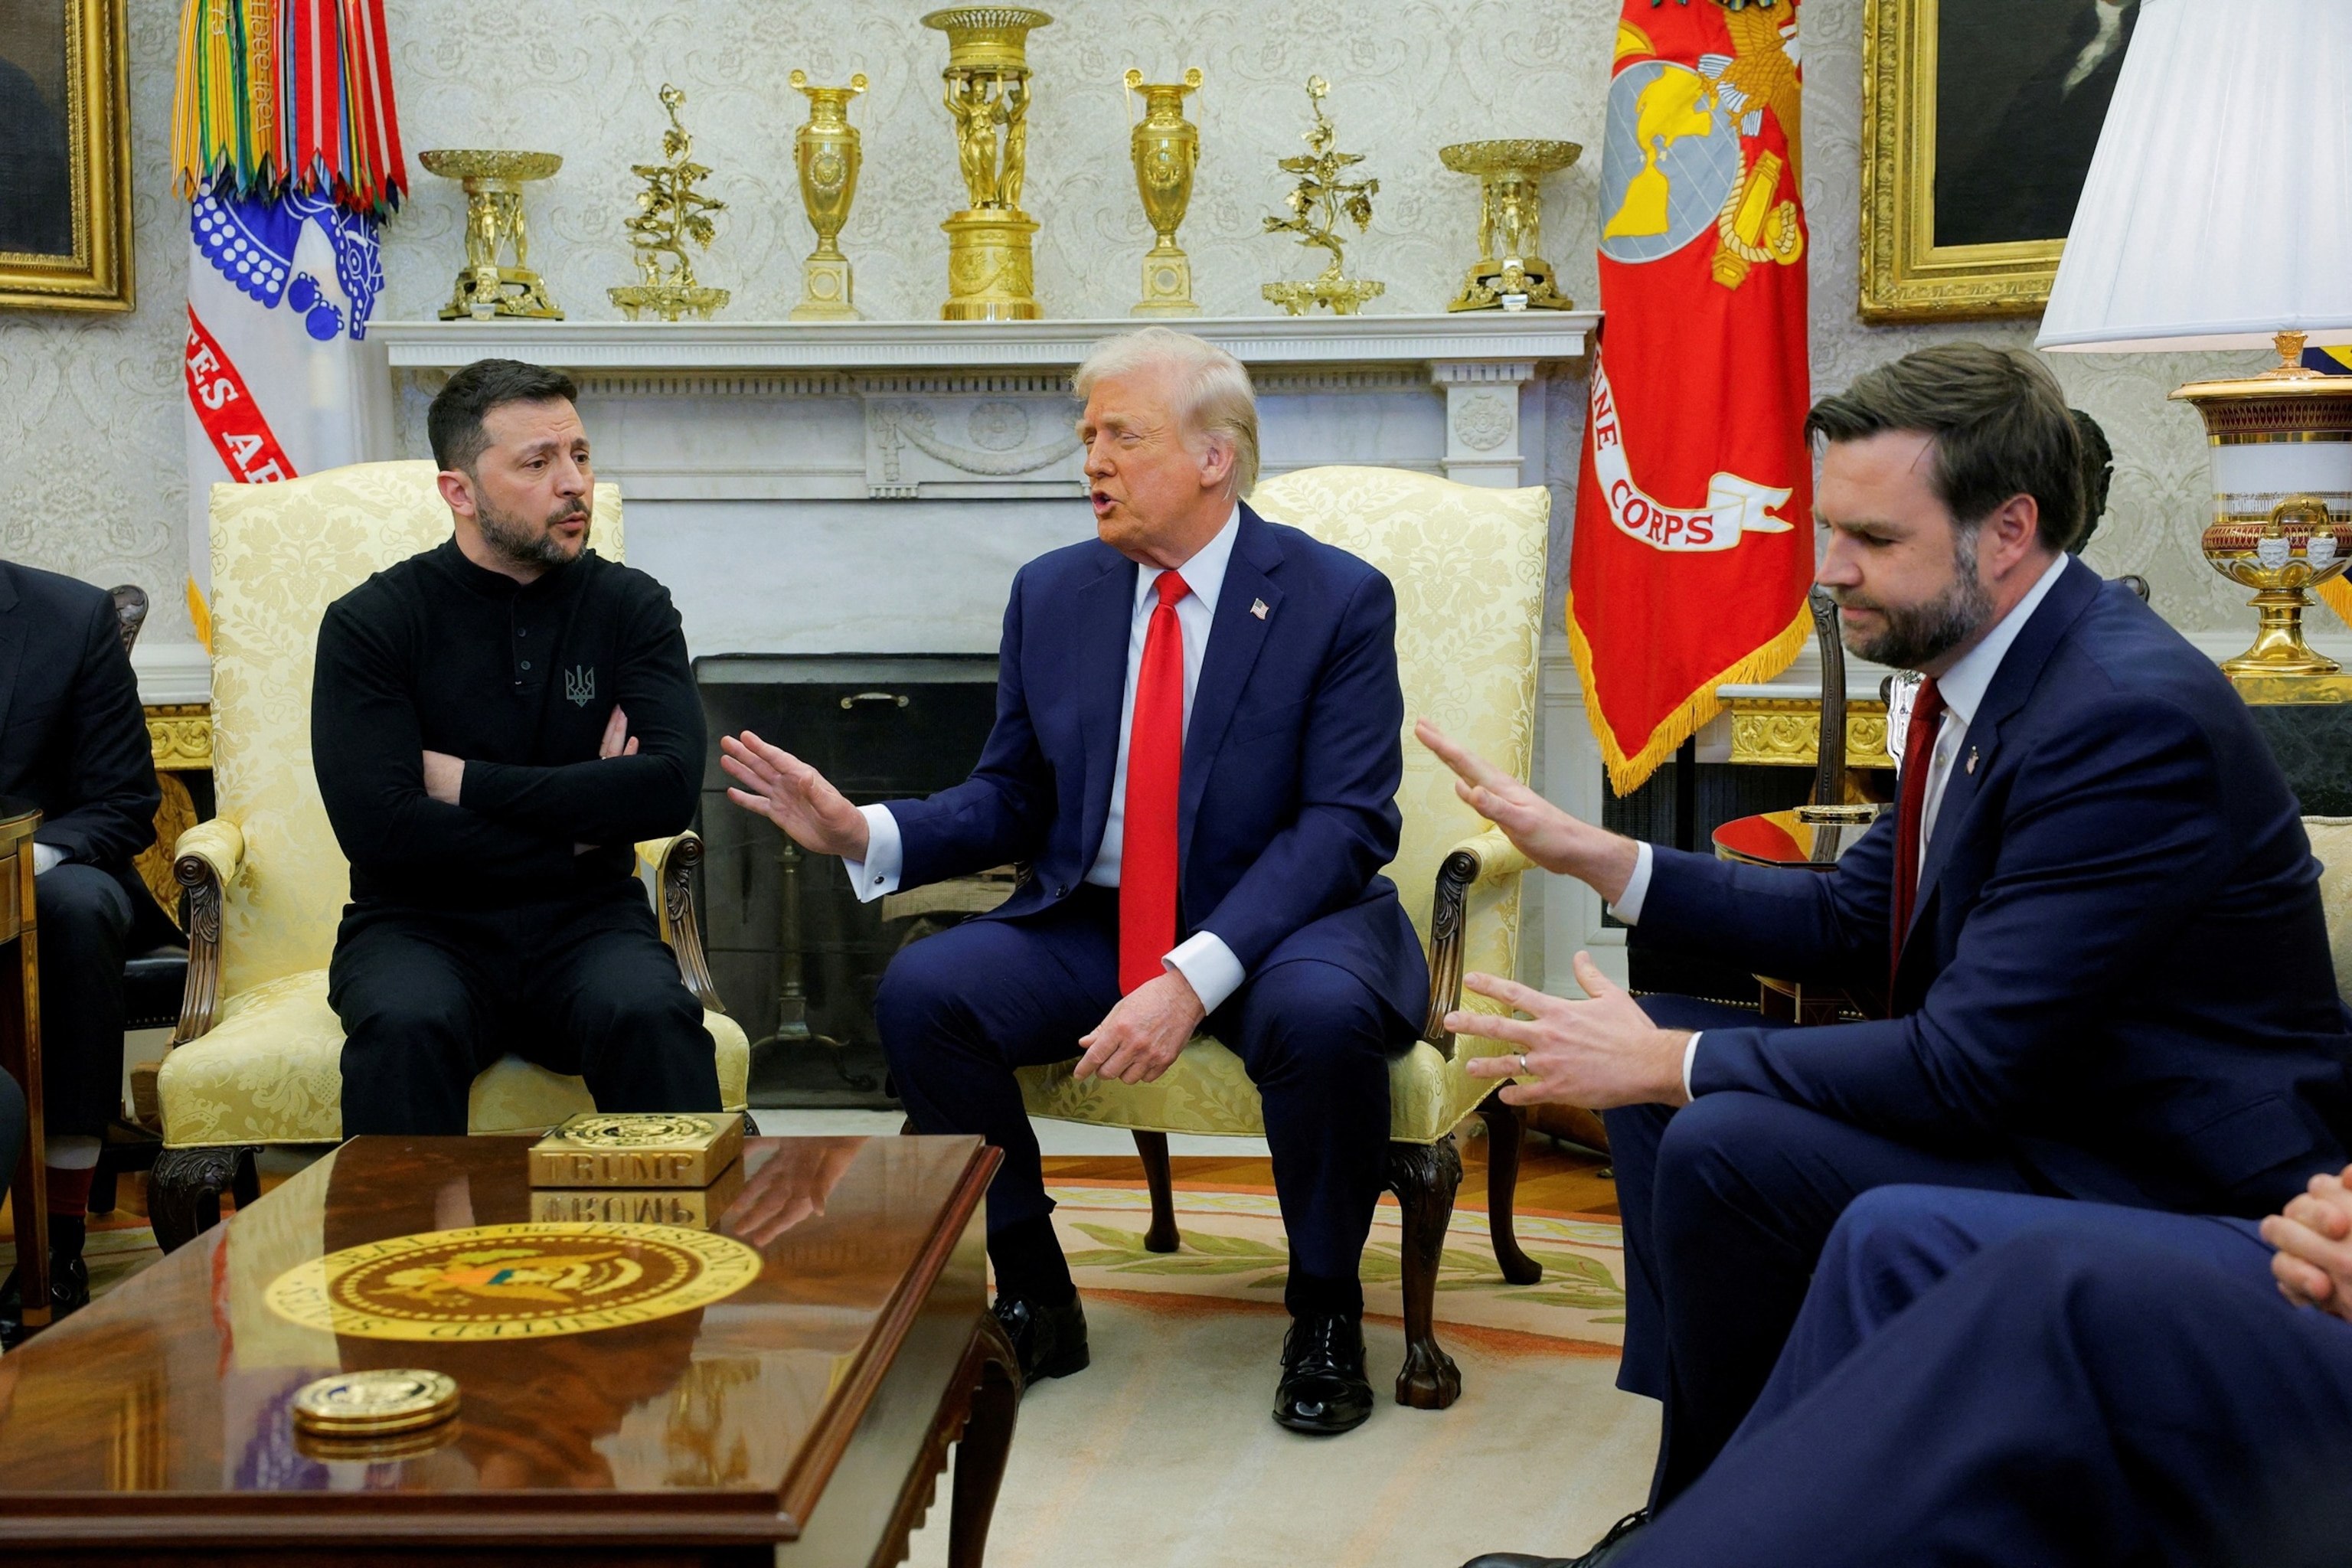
[[1161, 1454]]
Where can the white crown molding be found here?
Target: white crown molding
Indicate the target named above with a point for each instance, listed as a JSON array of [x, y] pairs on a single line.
[[592, 347], [171, 672]]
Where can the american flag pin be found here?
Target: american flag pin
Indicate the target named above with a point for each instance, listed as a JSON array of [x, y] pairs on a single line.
[[1971, 765], [1257, 608]]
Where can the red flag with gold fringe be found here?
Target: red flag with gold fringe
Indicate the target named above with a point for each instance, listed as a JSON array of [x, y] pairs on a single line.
[[1694, 511]]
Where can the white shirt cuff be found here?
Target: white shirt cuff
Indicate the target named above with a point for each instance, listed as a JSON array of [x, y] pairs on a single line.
[[886, 855], [1690, 1055], [46, 858], [1628, 907], [1208, 966]]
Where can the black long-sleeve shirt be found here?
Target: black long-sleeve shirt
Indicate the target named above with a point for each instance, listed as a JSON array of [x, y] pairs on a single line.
[[438, 654]]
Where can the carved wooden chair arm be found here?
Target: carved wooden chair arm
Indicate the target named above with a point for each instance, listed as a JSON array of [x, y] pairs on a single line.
[[672, 861], [1488, 856], [204, 861]]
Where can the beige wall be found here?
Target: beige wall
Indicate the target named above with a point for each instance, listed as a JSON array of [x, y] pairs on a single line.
[[90, 459]]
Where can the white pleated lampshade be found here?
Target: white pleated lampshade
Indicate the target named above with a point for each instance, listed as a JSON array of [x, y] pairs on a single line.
[[2218, 208]]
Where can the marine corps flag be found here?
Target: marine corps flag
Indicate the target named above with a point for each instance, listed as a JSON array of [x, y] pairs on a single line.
[[1694, 512]]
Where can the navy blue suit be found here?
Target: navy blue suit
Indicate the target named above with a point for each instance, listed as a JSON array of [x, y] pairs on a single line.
[[1989, 1378], [2116, 985], [1287, 812]]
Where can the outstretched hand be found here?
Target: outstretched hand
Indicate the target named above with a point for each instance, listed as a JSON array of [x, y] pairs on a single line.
[[1544, 834], [1597, 1054], [794, 795]]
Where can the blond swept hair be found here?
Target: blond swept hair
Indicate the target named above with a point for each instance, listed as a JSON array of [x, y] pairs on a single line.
[[1215, 399]]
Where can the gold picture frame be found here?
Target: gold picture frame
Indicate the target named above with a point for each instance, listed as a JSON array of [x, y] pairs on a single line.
[[78, 83], [1907, 275]]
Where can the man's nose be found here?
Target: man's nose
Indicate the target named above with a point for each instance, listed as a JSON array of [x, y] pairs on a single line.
[[572, 478], [1099, 465], [1841, 565]]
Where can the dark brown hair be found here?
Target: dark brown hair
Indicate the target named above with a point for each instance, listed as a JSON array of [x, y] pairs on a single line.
[[1999, 424], [454, 423]]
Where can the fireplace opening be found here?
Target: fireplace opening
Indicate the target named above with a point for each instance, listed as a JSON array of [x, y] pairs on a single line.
[[796, 957]]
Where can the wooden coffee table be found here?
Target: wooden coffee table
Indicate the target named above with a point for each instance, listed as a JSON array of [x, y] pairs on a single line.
[[803, 1419]]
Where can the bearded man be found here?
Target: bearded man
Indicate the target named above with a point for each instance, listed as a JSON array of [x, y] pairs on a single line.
[[496, 723], [2094, 917]]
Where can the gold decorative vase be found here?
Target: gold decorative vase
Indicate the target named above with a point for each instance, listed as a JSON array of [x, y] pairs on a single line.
[[493, 180], [2281, 445], [1166, 147], [827, 153], [986, 91], [1511, 273]]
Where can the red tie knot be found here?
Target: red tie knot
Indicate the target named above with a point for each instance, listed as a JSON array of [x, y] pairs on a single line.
[[1173, 587]]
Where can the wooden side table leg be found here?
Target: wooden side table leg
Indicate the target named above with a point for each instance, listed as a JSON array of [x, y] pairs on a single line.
[[20, 1054], [987, 1440]]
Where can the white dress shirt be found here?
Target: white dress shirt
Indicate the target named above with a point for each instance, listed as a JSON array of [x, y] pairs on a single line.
[[1204, 961], [1963, 687]]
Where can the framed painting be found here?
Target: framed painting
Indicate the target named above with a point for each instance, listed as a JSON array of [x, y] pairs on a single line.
[[64, 155], [1979, 120]]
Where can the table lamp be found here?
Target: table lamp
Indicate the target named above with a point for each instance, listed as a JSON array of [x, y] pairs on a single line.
[[2217, 214]]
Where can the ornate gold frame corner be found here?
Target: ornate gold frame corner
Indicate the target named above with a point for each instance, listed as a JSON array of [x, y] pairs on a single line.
[[1906, 276], [98, 276]]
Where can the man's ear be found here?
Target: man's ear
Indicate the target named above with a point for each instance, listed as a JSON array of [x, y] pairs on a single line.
[[2013, 531], [1217, 464], [457, 490]]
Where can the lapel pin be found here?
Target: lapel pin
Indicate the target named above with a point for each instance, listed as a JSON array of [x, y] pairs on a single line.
[[1971, 767], [1257, 608]]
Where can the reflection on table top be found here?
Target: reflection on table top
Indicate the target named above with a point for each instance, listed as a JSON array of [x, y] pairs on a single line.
[[179, 1383], [1780, 838]]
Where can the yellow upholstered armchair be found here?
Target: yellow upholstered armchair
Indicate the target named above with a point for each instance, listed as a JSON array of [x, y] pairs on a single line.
[[257, 1057], [1468, 567]]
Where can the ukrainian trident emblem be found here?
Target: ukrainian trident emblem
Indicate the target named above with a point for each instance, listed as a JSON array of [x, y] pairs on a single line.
[[580, 685]]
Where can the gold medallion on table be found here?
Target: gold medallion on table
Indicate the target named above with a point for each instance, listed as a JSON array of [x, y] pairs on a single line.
[[512, 1282], [374, 1403]]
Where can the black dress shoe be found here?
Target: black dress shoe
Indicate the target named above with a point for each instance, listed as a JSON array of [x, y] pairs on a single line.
[[68, 1292], [1323, 1390], [1599, 1552], [1050, 1340]]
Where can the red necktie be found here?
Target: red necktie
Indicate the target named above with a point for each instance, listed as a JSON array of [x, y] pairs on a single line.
[[1155, 760], [1919, 757]]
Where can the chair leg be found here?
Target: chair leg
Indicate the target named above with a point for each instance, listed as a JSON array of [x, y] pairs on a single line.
[[1424, 1177], [1506, 1127], [245, 1181], [184, 1187], [1152, 1149], [103, 1196]]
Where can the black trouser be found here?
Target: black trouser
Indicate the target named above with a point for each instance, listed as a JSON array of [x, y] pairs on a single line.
[[84, 916], [959, 1011], [429, 998]]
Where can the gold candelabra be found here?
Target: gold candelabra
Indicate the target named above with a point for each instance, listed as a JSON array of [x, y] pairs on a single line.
[[1166, 147], [827, 148], [1511, 273], [670, 212], [1317, 204], [986, 92], [493, 182]]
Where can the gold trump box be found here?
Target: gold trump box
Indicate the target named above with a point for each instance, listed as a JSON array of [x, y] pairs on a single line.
[[668, 1149], [689, 1208]]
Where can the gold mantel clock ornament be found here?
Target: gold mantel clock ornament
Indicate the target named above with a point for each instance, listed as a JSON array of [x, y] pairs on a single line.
[[1166, 147], [827, 151], [2281, 458], [493, 181], [670, 212], [989, 271], [1318, 204], [1511, 273]]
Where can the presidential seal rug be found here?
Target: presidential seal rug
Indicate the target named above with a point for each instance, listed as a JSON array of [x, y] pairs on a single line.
[[1233, 1255]]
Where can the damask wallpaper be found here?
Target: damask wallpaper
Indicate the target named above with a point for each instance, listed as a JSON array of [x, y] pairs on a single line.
[[91, 431]]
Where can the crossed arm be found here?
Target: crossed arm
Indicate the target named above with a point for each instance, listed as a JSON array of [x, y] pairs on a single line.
[[2313, 1265]]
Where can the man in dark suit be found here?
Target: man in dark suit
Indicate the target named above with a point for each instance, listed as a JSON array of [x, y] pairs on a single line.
[[73, 742], [1196, 753], [2094, 914], [1997, 1378]]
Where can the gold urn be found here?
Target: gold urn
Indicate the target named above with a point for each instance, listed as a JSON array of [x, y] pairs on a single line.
[[1166, 148], [827, 148], [496, 234], [986, 92], [2281, 445], [1511, 273]]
